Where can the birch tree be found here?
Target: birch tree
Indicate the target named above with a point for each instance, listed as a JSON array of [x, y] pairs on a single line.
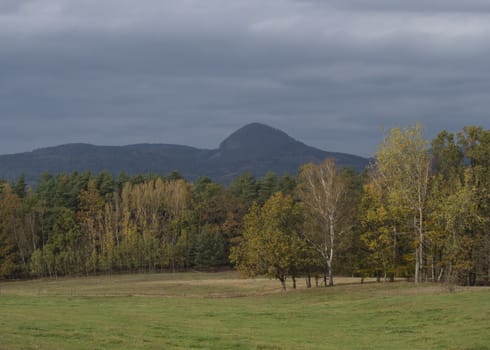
[[379, 233], [91, 221], [324, 192], [404, 163]]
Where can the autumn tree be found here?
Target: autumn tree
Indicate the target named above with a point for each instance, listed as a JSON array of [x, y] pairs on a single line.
[[378, 234], [216, 218], [326, 198], [176, 202], [455, 241], [271, 243], [384, 231], [450, 203], [475, 143], [9, 227], [90, 218], [404, 164]]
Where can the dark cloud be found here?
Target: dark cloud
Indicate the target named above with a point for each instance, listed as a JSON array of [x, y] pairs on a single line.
[[404, 6], [8, 7], [332, 73]]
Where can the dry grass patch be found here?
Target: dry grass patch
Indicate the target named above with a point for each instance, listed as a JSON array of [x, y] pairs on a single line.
[[197, 284]]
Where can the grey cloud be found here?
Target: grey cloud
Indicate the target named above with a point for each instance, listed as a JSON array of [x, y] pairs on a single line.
[[191, 72], [399, 6], [8, 7]]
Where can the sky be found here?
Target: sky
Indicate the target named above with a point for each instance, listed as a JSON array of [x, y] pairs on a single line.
[[334, 74]]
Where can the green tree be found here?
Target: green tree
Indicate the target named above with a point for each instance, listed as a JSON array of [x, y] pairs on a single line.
[[174, 176], [245, 188], [208, 250], [216, 215], [270, 244], [63, 251], [20, 187], [90, 218], [105, 184], [9, 226], [266, 187], [286, 184], [475, 142], [450, 205], [455, 218]]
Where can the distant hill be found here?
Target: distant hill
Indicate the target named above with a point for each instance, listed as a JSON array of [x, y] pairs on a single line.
[[254, 148]]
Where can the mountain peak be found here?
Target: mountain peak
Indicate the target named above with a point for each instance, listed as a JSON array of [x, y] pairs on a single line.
[[256, 136], [256, 148], [255, 126]]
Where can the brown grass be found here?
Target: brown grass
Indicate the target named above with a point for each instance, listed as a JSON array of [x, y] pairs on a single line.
[[197, 285], [222, 284]]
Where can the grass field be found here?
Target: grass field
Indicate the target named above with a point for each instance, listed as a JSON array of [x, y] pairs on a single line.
[[222, 311]]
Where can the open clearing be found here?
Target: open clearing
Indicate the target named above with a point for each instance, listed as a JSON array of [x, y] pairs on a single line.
[[223, 311]]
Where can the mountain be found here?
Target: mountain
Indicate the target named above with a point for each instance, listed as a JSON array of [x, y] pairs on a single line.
[[254, 148]]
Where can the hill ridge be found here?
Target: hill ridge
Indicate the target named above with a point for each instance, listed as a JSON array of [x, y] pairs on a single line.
[[256, 148]]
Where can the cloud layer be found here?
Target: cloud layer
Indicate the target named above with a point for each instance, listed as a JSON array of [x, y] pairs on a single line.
[[330, 73]]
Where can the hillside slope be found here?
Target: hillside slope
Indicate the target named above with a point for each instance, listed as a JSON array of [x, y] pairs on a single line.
[[254, 148]]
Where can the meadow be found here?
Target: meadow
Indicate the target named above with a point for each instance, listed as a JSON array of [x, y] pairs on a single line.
[[224, 311]]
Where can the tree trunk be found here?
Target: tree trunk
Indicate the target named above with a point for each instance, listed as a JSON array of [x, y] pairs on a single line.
[[417, 265], [330, 276], [421, 242], [332, 236], [417, 251], [433, 270], [439, 278], [394, 251], [283, 282], [308, 280], [449, 274]]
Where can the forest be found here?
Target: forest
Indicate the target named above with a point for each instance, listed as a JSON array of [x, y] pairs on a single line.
[[420, 211]]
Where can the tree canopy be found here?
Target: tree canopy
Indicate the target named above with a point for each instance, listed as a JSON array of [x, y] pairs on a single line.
[[421, 211]]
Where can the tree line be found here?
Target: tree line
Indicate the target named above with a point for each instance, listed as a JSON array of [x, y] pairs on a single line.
[[79, 223], [420, 211]]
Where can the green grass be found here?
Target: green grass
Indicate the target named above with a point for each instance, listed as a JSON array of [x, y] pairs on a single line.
[[221, 311]]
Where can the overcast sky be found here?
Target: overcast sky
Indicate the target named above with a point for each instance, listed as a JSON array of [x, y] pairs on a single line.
[[332, 74]]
